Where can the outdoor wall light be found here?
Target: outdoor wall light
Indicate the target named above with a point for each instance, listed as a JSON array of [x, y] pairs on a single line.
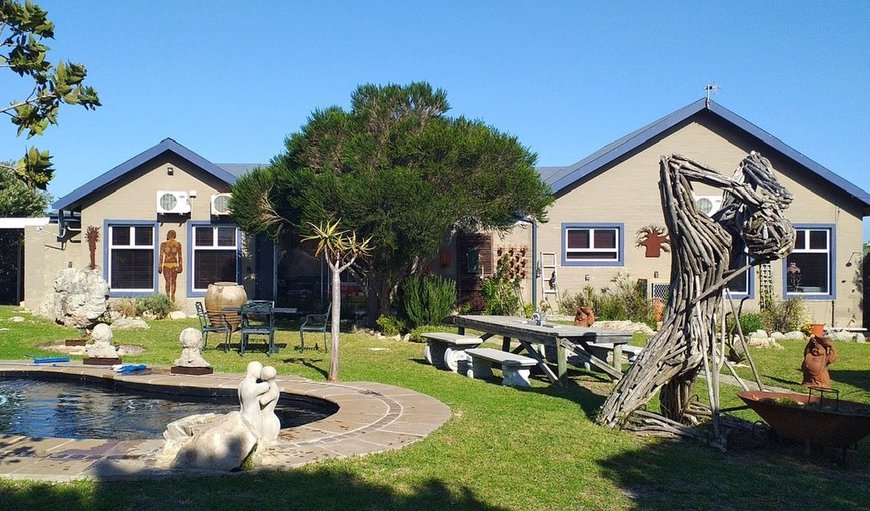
[[586, 277], [655, 274], [849, 262], [170, 170]]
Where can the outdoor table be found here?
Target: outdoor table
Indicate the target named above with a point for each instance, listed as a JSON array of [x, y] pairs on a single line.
[[272, 312], [560, 337]]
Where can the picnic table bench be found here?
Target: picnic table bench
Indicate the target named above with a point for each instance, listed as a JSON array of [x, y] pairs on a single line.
[[446, 350], [515, 368]]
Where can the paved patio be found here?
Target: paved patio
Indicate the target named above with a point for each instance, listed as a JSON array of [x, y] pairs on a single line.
[[372, 417]]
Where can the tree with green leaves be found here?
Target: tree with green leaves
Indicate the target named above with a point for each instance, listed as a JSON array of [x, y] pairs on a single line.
[[16, 199], [23, 28], [341, 249], [397, 169]]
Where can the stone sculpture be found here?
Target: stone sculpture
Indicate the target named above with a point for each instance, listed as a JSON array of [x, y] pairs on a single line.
[[819, 353], [226, 442], [102, 347], [271, 425], [191, 361]]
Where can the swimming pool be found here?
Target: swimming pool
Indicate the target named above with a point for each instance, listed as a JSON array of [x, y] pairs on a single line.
[[75, 408]]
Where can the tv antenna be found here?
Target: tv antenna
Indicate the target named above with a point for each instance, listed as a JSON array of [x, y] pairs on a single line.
[[711, 89]]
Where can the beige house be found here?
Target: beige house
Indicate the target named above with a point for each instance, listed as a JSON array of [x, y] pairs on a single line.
[[134, 206], [605, 200]]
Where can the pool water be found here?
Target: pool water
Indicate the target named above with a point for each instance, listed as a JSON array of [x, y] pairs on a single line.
[[79, 410]]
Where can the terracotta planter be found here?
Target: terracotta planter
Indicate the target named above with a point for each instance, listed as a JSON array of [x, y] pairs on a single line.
[[818, 329], [221, 295]]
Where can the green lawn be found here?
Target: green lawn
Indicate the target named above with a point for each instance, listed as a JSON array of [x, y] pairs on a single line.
[[503, 449]]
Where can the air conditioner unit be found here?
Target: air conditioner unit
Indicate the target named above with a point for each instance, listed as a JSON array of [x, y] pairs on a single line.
[[708, 204], [172, 202], [220, 204]]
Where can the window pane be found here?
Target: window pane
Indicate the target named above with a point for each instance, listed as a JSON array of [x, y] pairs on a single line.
[[819, 240], [144, 236], [132, 269], [120, 235], [203, 236], [740, 283], [226, 236], [605, 238], [578, 238], [579, 256], [813, 274], [214, 266], [800, 239]]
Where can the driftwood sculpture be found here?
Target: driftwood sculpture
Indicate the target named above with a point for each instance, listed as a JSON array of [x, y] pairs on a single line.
[[750, 221]]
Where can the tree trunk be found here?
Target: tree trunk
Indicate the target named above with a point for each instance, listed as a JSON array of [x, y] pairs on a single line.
[[336, 322]]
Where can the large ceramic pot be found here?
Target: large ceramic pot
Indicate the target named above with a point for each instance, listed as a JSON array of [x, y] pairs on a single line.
[[221, 295]]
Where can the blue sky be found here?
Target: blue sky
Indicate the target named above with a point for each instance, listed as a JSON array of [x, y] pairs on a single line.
[[230, 80]]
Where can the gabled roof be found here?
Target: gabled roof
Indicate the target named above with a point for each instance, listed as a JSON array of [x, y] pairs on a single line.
[[561, 179], [74, 198]]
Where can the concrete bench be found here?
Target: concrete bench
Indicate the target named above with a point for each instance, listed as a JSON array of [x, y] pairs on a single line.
[[515, 368], [446, 350], [603, 351]]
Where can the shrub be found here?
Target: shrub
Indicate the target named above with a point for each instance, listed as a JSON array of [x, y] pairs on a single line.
[[625, 300], [124, 306], [749, 322], [416, 335], [427, 300], [390, 325], [156, 305], [501, 291], [784, 315]]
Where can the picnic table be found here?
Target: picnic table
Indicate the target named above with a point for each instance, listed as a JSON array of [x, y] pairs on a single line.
[[559, 337]]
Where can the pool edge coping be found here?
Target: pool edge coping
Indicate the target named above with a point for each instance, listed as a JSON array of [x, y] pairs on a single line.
[[372, 417]]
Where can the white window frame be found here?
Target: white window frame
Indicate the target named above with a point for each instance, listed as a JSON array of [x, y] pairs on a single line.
[[194, 248], [617, 250], [111, 246], [803, 231]]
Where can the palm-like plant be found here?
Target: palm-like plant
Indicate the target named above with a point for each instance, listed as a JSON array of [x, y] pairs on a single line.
[[340, 248]]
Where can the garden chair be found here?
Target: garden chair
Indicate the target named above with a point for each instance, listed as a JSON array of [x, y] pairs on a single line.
[[257, 319], [315, 323], [206, 325]]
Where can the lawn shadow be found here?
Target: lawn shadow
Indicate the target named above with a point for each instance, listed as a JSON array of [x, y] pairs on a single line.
[[856, 378], [307, 362], [319, 488], [754, 474], [577, 388]]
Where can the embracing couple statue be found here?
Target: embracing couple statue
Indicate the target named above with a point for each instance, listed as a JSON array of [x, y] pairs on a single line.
[[227, 441], [258, 394]]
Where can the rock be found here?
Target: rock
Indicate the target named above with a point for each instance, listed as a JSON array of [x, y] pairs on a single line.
[[794, 335], [777, 336], [625, 326], [16, 319], [79, 298], [222, 443], [761, 334], [842, 336], [130, 324], [177, 315]]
